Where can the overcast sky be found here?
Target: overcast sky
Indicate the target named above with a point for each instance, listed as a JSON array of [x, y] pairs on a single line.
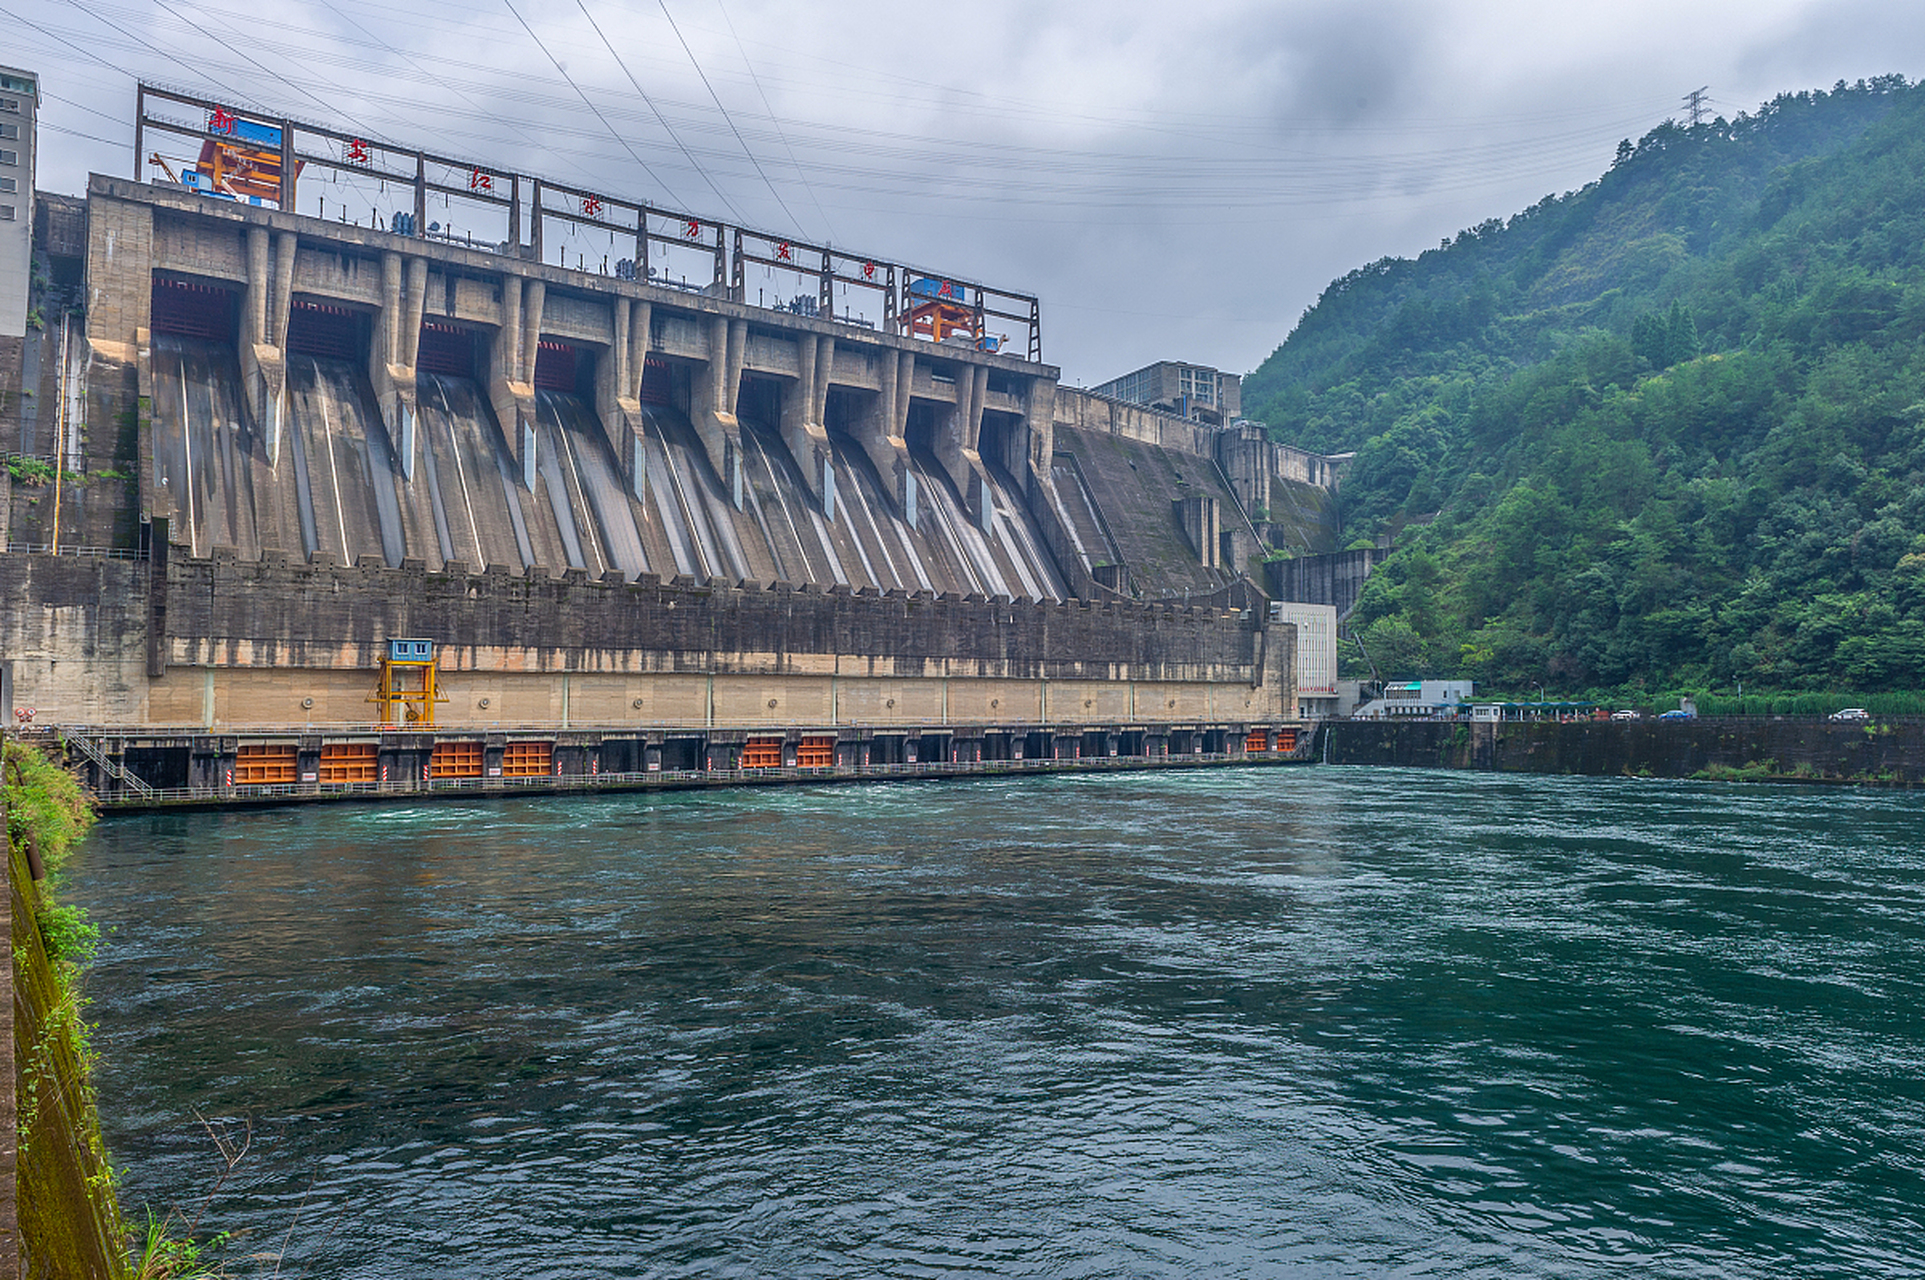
[[1175, 181]]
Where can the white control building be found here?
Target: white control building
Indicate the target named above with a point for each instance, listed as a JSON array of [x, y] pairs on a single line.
[[1316, 655]]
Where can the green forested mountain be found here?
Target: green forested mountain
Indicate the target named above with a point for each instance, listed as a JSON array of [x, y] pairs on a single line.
[[1670, 427]]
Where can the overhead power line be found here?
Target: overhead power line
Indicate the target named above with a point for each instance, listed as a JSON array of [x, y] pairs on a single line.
[[91, 137], [793, 221], [150, 47], [928, 173], [827, 227], [660, 118], [563, 71], [438, 81], [250, 60]]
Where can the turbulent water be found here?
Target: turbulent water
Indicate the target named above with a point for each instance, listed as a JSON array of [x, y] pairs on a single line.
[[1320, 1022]]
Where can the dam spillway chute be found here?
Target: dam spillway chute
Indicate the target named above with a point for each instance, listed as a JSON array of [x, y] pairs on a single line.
[[482, 514], [202, 438], [557, 372], [913, 532], [985, 535], [346, 472], [473, 478], [793, 530], [202, 444], [860, 543], [450, 351], [994, 545], [585, 485], [688, 505]]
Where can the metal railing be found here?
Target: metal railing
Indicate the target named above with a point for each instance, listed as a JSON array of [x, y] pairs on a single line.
[[694, 726], [669, 779], [67, 549]]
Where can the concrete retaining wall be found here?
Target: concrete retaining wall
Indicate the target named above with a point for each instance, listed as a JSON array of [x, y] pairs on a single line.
[[279, 641], [1335, 579], [1764, 749]]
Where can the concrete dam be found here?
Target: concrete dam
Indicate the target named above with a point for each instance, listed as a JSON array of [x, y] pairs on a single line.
[[639, 524]]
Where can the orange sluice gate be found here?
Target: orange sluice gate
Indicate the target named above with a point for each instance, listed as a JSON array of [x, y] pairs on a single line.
[[263, 764], [349, 762], [526, 759], [762, 753], [456, 760]]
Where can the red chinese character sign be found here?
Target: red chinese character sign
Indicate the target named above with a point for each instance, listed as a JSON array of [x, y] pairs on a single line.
[[358, 152], [220, 120], [591, 207], [691, 229], [868, 271], [785, 252], [481, 181]]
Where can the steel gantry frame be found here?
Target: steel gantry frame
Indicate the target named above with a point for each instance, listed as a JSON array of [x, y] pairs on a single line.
[[902, 288]]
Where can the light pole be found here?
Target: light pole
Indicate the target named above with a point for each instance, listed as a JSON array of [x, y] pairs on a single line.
[[1540, 696]]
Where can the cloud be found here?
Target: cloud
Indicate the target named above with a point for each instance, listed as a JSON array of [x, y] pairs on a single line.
[[1172, 181]]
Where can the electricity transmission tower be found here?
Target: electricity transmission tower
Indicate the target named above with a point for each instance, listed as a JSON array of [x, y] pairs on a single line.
[[1694, 102]]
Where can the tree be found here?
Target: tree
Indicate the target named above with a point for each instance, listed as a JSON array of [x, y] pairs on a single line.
[[1754, 514], [1680, 335], [1651, 340]]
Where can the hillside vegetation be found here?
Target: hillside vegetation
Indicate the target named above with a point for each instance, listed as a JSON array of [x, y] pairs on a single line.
[[1667, 431]]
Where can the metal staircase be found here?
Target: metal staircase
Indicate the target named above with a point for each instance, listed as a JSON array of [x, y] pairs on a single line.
[[90, 749]]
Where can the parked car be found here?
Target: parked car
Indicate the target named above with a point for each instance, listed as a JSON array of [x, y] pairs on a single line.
[[1852, 713], [1626, 714], [1679, 714]]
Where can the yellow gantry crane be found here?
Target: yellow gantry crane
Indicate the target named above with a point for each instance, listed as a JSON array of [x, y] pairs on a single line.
[[408, 692]]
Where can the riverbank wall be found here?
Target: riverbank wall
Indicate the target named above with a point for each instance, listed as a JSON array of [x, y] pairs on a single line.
[[58, 1212], [1887, 752]]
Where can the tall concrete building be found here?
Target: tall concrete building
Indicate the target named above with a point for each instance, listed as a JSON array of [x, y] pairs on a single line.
[[1192, 391], [1316, 655], [19, 99]]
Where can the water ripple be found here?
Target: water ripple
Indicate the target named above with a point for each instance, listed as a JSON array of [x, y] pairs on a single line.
[[1325, 1022]]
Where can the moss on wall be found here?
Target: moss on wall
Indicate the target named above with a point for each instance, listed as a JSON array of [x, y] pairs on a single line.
[[69, 1219]]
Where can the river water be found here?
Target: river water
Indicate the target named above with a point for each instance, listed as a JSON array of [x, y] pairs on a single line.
[[1300, 1022]]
